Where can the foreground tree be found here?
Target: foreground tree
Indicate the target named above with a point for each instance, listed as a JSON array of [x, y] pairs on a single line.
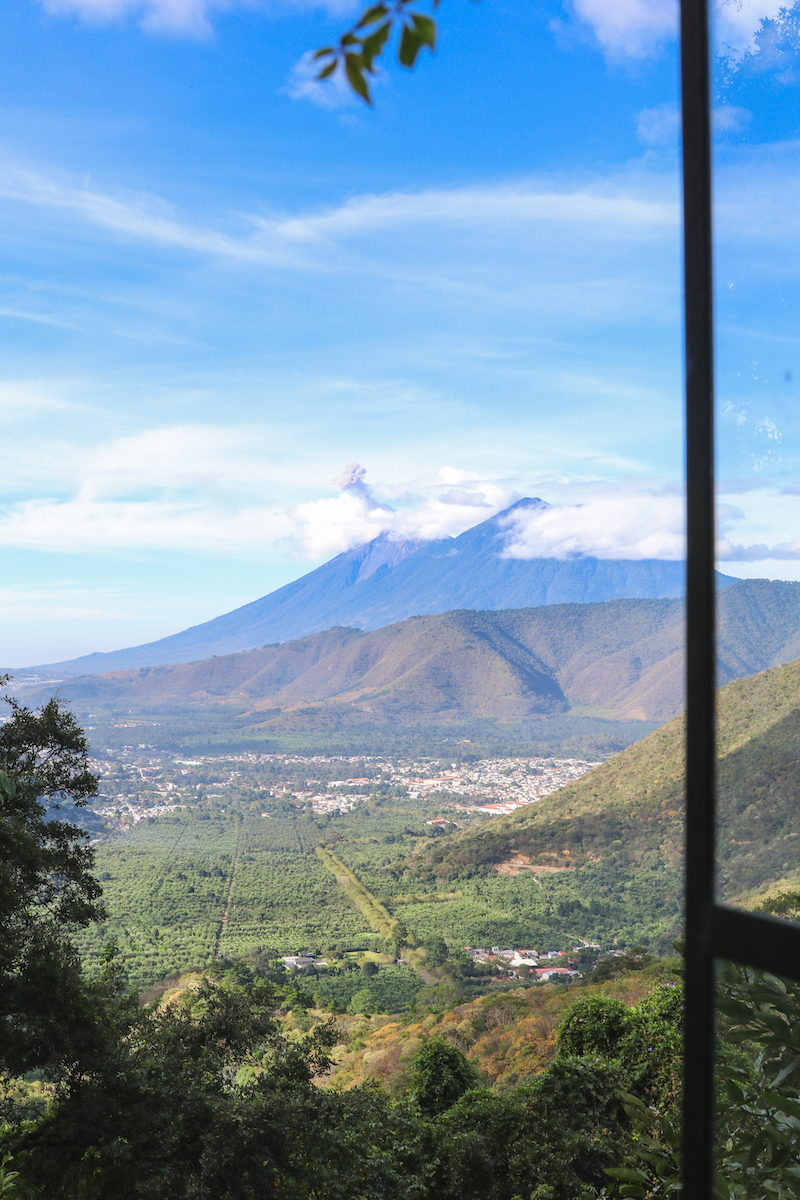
[[47, 889], [439, 1075], [204, 1098]]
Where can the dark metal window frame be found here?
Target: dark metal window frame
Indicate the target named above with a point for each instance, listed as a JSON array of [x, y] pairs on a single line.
[[712, 930]]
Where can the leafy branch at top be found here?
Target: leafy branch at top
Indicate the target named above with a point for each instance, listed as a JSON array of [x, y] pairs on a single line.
[[363, 44]]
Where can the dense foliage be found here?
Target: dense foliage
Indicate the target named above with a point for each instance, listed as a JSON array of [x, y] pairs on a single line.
[[207, 1097], [47, 890]]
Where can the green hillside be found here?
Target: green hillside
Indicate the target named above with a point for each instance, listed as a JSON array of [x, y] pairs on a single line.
[[627, 815]]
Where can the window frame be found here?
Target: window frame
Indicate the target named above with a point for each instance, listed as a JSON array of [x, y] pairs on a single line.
[[712, 931]]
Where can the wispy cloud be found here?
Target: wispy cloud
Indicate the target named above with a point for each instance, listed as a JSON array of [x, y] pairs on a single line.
[[84, 524], [185, 18], [758, 552], [331, 93], [612, 208], [659, 126], [18, 314], [139, 215], [758, 524], [30, 400], [178, 18]]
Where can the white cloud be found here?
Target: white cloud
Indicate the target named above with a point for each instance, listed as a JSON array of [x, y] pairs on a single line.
[[616, 209], [176, 459], [231, 492], [85, 524], [730, 118], [29, 400], [187, 18], [625, 521], [459, 496], [217, 491], [303, 84], [623, 210], [758, 552], [639, 28], [433, 510], [761, 527], [659, 126], [736, 23], [137, 215], [630, 28], [165, 463]]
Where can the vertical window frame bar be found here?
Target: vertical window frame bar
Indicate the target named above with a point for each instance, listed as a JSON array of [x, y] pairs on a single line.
[[698, 1127]]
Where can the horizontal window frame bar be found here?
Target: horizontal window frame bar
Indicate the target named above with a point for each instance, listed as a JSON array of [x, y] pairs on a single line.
[[754, 940]]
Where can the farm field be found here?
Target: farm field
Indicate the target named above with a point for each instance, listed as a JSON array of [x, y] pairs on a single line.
[[225, 856], [184, 887], [179, 890]]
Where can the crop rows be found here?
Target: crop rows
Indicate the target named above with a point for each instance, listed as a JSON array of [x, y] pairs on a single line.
[[166, 884]]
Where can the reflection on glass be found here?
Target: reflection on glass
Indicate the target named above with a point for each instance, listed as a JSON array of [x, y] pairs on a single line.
[[756, 166], [758, 1084]]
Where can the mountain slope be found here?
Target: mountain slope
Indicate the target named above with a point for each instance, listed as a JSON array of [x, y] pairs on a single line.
[[387, 580], [628, 813], [620, 659]]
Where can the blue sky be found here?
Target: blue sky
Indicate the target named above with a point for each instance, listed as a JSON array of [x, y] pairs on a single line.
[[220, 283]]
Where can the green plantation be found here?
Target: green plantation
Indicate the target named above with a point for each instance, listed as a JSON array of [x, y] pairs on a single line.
[[180, 890], [183, 889], [479, 904], [165, 885]]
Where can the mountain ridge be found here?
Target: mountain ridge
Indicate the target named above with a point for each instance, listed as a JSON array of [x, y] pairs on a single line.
[[387, 580], [621, 659]]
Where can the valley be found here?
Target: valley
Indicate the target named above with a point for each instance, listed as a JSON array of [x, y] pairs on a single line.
[[598, 859], [232, 866], [508, 778]]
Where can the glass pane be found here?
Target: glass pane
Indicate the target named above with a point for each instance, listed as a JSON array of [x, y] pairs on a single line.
[[756, 178], [757, 1084]]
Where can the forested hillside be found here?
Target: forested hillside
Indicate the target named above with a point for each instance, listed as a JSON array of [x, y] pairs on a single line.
[[626, 816]]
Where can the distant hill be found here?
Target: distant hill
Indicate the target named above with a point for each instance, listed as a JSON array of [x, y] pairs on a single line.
[[620, 659], [622, 824], [387, 580]]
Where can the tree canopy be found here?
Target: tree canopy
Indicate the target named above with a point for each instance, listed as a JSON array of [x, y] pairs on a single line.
[[47, 889]]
